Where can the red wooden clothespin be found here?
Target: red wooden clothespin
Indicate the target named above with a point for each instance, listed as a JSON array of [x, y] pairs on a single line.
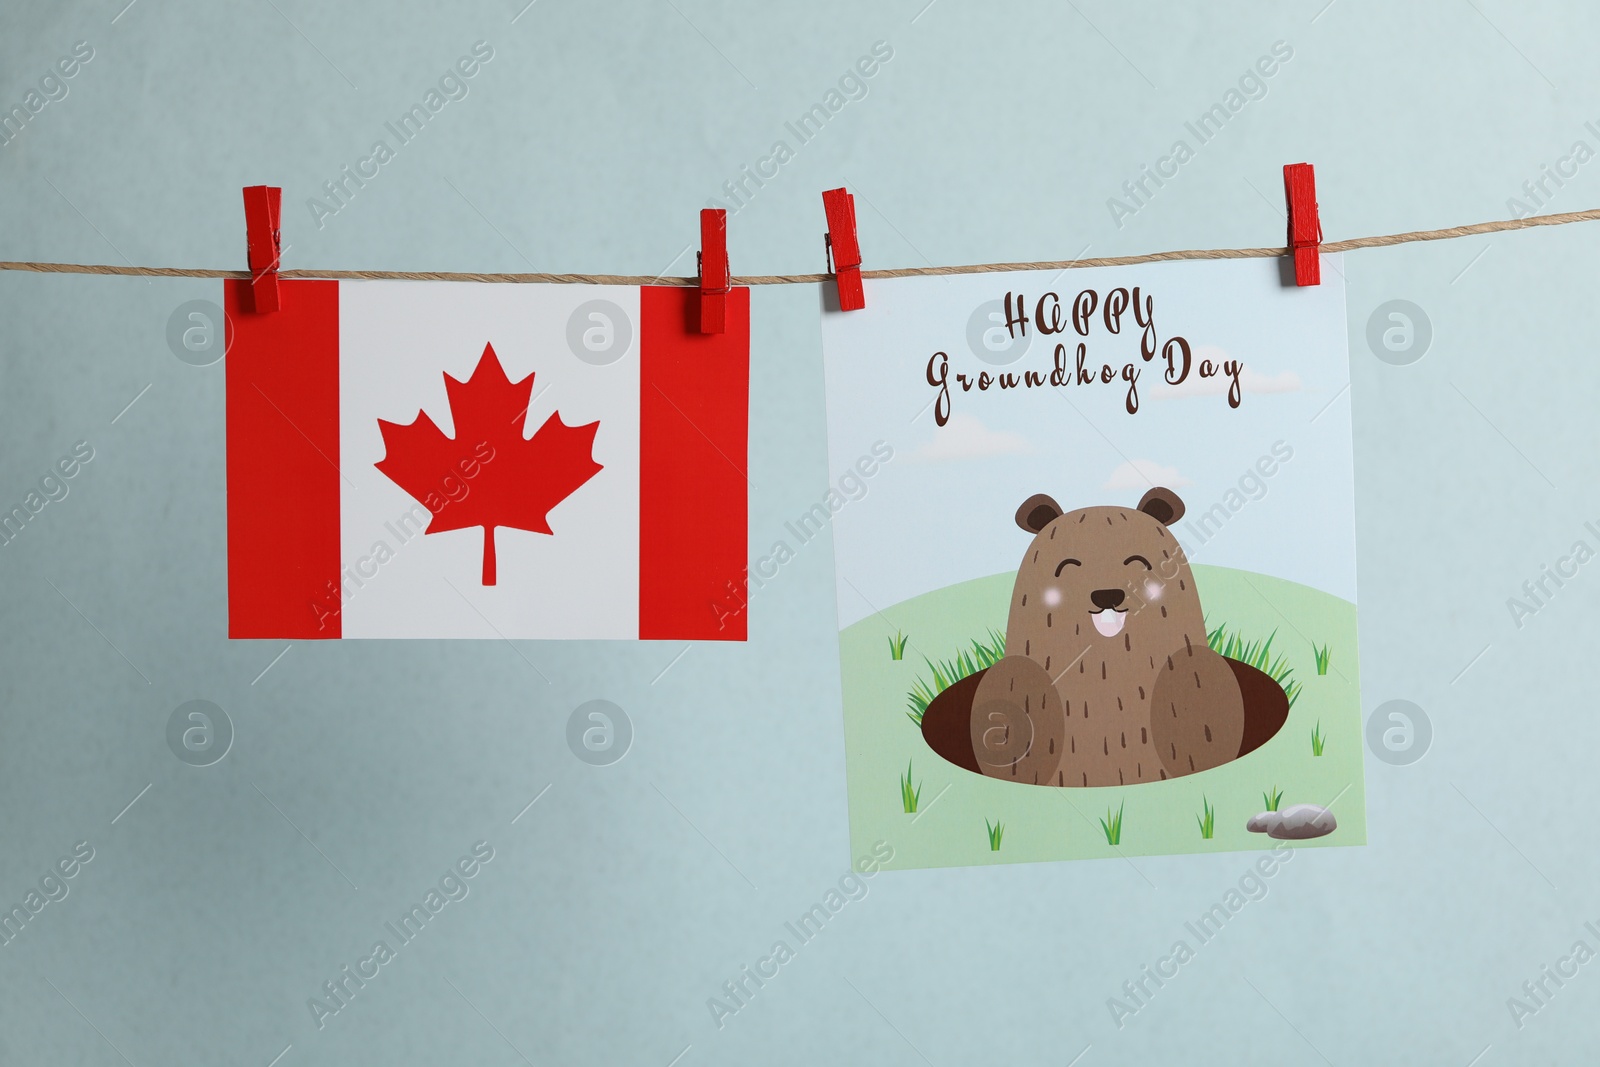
[[844, 250], [714, 275], [263, 243], [1305, 223]]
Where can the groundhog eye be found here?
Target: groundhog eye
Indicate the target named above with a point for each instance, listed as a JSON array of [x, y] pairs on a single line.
[[1063, 565], [1141, 559]]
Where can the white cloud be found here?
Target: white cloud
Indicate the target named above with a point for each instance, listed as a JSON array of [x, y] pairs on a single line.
[[1252, 382], [965, 437], [1144, 474]]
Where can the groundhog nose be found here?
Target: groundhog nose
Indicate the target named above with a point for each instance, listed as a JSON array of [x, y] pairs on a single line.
[[1107, 598]]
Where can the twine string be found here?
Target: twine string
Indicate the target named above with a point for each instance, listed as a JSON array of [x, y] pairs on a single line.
[[1383, 241]]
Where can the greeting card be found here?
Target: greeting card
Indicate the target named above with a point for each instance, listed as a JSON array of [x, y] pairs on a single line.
[[1099, 598]]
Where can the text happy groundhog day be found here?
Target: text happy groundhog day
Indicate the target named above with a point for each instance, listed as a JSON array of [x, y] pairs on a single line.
[[1088, 314]]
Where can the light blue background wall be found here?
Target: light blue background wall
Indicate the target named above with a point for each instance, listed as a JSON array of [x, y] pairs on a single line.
[[224, 898]]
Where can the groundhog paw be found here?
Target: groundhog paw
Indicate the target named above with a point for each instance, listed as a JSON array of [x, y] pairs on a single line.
[[1018, 728], [1196, 712]]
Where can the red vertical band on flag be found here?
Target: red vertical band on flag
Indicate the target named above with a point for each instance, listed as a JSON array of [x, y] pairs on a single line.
[[283, 451], [694, 421]]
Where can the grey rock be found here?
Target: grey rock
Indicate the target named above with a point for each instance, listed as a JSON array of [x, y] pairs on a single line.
[[1300, 821], [1264, 823]]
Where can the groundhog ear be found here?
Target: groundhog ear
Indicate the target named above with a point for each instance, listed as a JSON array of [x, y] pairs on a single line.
[[1037, 512], [1162, 505]]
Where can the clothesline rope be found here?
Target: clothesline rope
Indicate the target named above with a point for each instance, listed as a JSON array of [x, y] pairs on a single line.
[[1591, 215]]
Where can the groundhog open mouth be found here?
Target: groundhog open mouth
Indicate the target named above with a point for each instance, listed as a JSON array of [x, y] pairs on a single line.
[[1108, 623]]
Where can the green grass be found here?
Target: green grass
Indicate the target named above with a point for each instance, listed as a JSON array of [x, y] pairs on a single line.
[[1318, 739], [984, 652], [1112, 825], [980, 654], [909, 796], [996, 832], [1257, 654], [1322, 654], [1272, 799], [878, 740], [1208, 824]]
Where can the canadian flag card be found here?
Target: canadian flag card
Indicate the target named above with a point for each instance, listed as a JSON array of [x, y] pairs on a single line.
[[460, 460]]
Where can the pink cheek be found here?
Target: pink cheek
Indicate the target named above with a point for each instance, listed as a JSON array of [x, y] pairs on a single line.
[[1052, 597], [1153, 590]]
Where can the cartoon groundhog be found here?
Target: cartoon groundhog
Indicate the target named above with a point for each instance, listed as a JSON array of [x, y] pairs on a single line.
[[1107, 677]]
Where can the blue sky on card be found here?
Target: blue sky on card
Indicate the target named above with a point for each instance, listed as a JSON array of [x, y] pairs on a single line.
[[941, 510]]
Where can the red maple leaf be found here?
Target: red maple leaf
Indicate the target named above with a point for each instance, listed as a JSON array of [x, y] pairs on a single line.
[[510, 480]]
